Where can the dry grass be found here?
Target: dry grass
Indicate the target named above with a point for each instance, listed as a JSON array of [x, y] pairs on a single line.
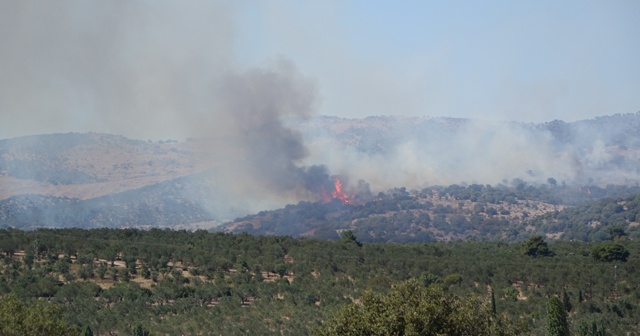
[[120, 165]]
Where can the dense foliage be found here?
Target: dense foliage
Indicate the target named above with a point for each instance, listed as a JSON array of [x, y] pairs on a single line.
[[413, 309], [600, 220], [181, 282], [557, 318], [609, 252], [38, 318], [473, 212], [537, 247]]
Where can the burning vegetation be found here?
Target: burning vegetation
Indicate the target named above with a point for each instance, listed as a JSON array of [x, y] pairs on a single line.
[[337, 193]]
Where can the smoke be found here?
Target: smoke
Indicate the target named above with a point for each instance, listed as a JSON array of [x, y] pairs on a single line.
[[158, 70], [144, 69], [420, 152], [266, 155], [168, 69]]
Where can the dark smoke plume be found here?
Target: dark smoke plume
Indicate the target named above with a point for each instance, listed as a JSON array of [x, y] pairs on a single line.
[[253, 107], [158, 70]]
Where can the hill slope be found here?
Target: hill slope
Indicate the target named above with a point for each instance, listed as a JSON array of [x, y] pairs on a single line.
[[593, 221], [101, 180], [441, 214]]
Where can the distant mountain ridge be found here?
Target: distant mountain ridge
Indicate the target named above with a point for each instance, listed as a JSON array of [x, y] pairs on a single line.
[[623, 129], [74, 158], [103, 180], [602, 150]]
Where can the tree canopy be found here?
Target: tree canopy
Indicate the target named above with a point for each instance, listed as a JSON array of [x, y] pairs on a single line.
[[537, 247], [413, 309], [557, 324], [38, 318], [610, 251]]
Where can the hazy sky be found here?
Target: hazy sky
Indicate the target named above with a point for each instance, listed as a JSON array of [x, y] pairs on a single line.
[[152, 68], [513, 60]]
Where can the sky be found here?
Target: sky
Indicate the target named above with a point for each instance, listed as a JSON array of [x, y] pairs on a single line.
[[157, 69], [498, 60]]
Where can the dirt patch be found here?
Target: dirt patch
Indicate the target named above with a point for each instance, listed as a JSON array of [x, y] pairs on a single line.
[[556, 235], [518, 286], [146, 283]]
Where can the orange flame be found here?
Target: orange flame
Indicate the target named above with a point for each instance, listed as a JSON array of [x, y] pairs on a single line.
[[337, 193]]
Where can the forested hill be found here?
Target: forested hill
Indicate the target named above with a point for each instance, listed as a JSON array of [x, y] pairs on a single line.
[[599, 220], [474, 212]]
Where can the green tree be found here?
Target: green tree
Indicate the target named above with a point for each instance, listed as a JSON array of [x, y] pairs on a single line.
[[452, 279], [584, 329], [102, 270], [536, 246], [87, 331], [580, 296], [39, 318], [84, 272], [62, 266], [350, 238], [557, 324], [126, 276], [29, 259], [427, 279], [616, 233], [610, 251], [412, 309], [493, 302], [566, 302], [139, 330]]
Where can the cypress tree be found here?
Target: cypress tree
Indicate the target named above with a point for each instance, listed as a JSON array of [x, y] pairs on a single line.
[[139, 330], [493, 302], [557, 324], [580, 297], [87, 331], [566, 302]]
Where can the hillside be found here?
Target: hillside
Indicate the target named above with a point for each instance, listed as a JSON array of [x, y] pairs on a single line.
[[599, 220], [474, 212], [90, 165], [101, 180], [170, 203]]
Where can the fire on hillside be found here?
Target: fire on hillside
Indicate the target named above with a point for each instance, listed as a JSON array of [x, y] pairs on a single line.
[[337, 193]]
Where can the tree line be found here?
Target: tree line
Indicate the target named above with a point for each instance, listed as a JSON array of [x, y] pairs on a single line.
[[182, 282]]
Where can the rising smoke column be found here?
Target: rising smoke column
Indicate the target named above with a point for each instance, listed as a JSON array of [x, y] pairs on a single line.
[[252, 107], [157, 70]]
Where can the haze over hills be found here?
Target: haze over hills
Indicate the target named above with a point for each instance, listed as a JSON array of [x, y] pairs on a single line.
[[392, 152], [101, 180], [267, 167]]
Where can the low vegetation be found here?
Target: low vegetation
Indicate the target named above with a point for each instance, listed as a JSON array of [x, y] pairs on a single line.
[[181, 282]]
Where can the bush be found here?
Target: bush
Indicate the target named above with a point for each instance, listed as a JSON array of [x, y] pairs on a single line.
[[610, 251]]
